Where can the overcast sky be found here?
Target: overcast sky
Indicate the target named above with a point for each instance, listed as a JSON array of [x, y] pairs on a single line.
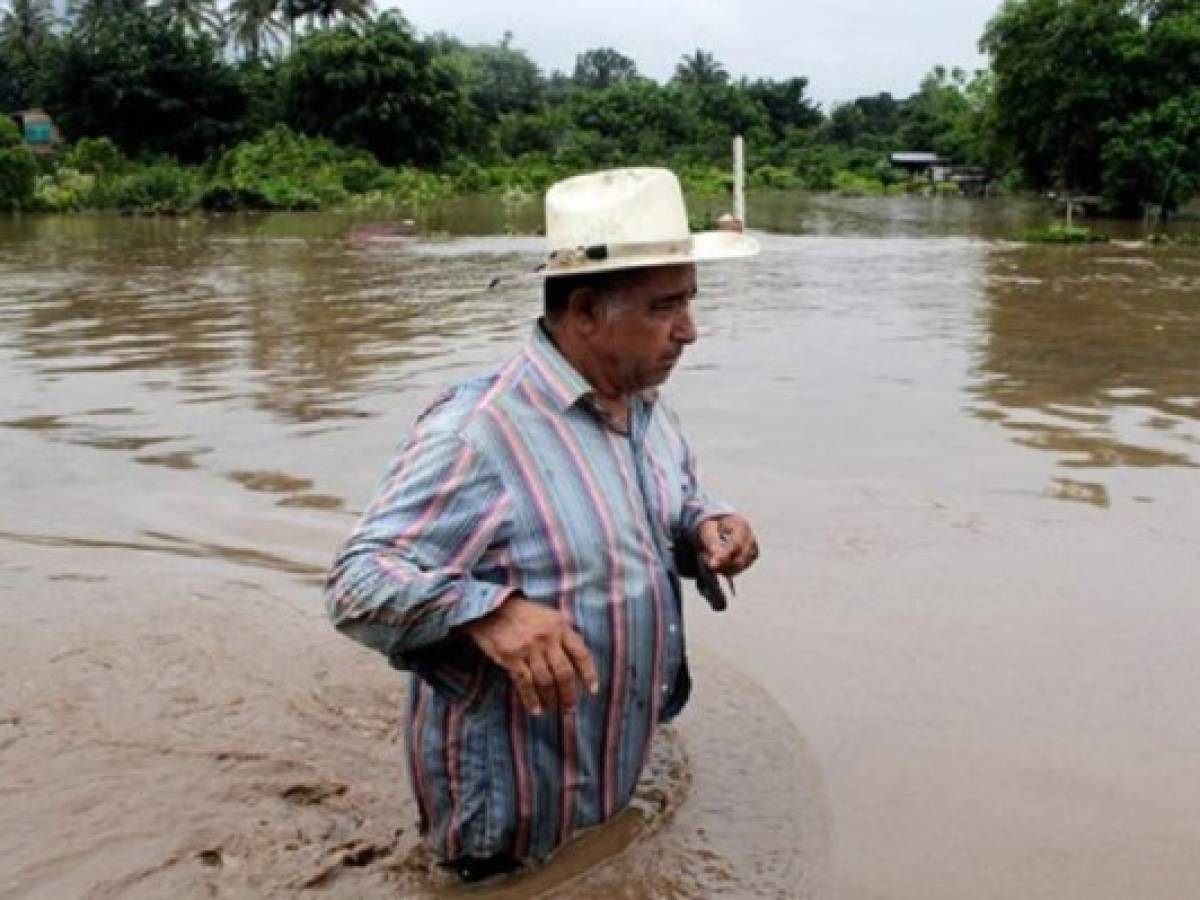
[[846, 48]]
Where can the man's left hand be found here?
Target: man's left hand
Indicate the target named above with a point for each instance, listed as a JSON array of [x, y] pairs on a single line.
[[727, 544]]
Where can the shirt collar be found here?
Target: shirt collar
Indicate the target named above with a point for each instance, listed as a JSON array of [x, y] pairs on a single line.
[[566, 383]]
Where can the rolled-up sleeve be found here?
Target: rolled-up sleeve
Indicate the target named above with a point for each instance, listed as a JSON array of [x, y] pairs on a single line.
[[698, 505], [403, 581]]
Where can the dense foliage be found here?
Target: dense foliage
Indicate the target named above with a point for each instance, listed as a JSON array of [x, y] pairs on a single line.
[[299, 104], [1099, 96], [18, 169]]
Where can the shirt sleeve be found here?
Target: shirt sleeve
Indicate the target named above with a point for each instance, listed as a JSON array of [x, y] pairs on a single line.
[[698, 505], [403, 581]]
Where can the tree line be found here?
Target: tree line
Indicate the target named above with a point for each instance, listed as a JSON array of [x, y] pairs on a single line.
[[1086, 96]]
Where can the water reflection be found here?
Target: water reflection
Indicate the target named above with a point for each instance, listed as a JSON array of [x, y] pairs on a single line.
[[1090, 354], [230, 310]]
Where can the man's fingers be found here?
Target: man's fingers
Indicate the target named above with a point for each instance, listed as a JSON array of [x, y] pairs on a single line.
[[543, 682], [582, 660], [747, 555], [522, 678], [564, 677]]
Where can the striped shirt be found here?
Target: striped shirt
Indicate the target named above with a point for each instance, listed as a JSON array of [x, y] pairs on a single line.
[[516, 481]]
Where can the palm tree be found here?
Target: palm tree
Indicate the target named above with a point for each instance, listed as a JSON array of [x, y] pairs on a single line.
[[700, 68], [197, 16], [325, 11], [87, 15], [27, 25], [255, 26]]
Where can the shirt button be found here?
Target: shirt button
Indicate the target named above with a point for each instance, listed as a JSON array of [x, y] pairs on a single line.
[[666, 688], [670, 629]]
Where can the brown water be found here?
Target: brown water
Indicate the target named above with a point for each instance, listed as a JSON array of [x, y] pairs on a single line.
[[964, 667]]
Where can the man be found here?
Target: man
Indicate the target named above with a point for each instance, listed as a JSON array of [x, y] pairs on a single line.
[[519, 556]]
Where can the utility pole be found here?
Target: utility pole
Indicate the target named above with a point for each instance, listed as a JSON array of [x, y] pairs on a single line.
[[739, 180]]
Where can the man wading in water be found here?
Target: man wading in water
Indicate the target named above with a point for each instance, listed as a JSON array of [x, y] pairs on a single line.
[[520, 556]]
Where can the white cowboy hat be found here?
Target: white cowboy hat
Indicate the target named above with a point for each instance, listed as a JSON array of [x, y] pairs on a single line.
[[627, 219]]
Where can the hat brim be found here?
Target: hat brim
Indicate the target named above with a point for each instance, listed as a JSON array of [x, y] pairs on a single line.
[[707, 246]]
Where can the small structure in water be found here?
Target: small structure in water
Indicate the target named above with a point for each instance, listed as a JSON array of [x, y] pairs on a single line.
[[971, 180], [38, 130], [922, 162]]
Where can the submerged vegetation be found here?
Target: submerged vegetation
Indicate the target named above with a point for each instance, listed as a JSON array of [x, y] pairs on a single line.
[[174, 106], [1063, 234]]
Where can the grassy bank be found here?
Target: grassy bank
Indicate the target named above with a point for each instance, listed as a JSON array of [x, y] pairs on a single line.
[[284, 170]]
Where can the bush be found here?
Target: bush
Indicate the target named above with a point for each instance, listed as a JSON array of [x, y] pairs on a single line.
[[160, 188], [774, 178], [95, 156], [67, 190], [18, 168], [224, 197], [1062, 234], [848, 184], [1184, 239], [283, 170]]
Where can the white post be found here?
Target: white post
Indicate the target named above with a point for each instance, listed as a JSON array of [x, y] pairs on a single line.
[[739, 181]]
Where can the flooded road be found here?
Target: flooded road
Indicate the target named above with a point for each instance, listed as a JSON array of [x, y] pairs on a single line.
[[964, 666]]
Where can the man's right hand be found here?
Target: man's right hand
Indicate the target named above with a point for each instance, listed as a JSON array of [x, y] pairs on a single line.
[[540, 651]]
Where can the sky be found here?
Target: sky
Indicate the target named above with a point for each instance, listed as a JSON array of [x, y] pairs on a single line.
[[846, 48]]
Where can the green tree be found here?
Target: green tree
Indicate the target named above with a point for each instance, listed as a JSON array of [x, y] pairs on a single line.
[[499, 78], [382, 90], [1062, 69], [26, 38], [1171, 60], [785, 103], [352, 12], [700, 68], [256, 27], [717, 111], [15, 84], [631, 121], [947, 116], [149, 85], [18, 169], [602, 67], [1155, 156], [866, 121], [196, 16], [27, 27], [88, 15]]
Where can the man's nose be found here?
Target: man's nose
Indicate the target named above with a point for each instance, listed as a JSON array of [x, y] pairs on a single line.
[[685, 327]]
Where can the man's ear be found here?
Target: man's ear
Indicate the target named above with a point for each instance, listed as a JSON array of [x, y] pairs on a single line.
[[584, 309]]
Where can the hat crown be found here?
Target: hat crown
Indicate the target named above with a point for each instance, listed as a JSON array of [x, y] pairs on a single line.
[[619, 206]]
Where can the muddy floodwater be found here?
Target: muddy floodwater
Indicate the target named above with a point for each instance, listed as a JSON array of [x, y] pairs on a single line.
[[966, 665]]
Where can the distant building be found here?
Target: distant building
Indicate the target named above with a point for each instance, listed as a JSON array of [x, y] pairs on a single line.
[[38, 129], [971, 180], [922, 162]]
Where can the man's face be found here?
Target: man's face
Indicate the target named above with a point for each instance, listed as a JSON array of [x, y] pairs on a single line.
[[644, 334]]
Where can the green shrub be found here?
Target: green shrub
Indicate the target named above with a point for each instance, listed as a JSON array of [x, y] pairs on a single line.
[[95, 156], [159, 188], [224, 197], [67, 190], [18, 168], [850, 184], [774, 178], [18, 178], [1182, 239], [281, 169], [1062, 234]]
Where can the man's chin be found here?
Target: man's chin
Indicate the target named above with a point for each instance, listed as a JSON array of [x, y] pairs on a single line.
[[659, 376]]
